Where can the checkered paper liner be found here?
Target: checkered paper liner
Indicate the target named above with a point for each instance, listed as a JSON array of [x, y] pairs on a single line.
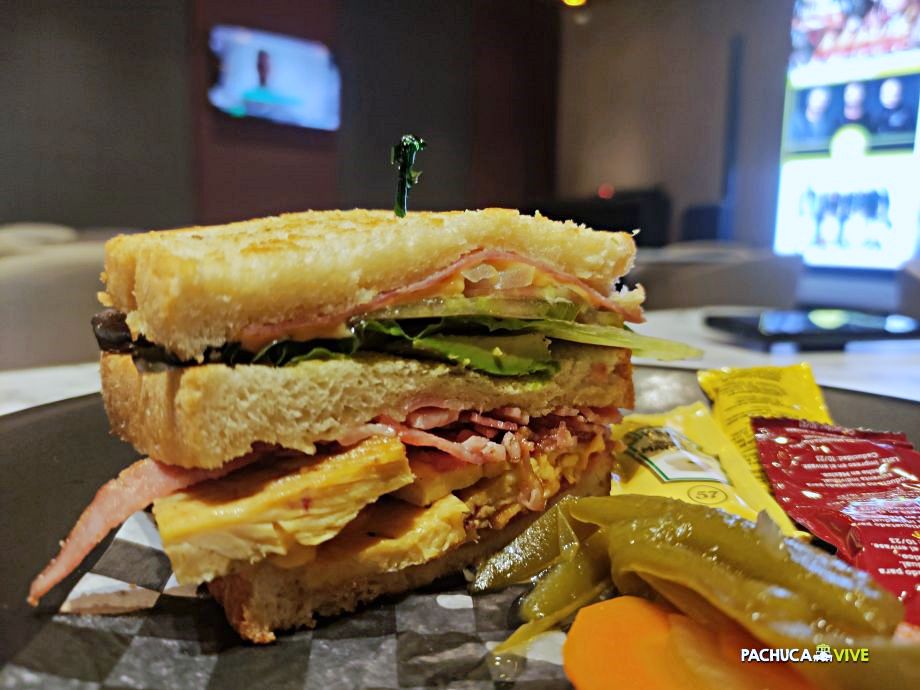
[[128, 624]]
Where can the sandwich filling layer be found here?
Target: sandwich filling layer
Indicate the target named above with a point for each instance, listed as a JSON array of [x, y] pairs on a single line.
[[494, 465], [491, 311], [411, 548], [281, 504]]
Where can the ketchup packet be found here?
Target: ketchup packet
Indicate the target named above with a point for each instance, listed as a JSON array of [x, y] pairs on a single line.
[[857, 490]]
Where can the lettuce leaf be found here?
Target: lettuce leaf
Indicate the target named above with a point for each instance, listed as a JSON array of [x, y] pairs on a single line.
[[611, 336], [503, 355], [557, 329], [511, 355], [500, 346]]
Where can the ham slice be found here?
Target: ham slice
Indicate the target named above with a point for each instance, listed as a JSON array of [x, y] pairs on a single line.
[[255, 336], [431, 417], [514, 414], [482, 420], [136, 487], [484, 448], [419, 437], [363, 432], [478, 442]]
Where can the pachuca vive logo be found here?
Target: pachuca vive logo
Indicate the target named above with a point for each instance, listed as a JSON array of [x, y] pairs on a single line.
[[823, 653]]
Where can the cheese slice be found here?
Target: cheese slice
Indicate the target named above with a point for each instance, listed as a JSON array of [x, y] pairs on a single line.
[[438, 474], [388, 536], [214, 527]]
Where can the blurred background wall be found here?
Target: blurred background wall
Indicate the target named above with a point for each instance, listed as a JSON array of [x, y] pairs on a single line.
[[109, 123], [96, 127]]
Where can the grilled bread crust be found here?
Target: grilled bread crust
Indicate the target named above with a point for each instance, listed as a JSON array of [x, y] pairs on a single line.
[[190, 288], [263, 599], [204, 416]]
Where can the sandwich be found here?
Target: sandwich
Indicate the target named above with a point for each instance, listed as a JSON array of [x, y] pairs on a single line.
[[339, 405]]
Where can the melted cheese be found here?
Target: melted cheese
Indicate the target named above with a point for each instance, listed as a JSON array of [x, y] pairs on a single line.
[[271, 507], [347, 527], [387, 536], [438, 474]]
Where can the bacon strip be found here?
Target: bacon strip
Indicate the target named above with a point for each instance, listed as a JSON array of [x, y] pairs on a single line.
[[478, 444], [483, 420], [602, 415], [136, 487], [432, 417], [418, 437], [486, 449], [514, 414], [256, 336], [363, 432]]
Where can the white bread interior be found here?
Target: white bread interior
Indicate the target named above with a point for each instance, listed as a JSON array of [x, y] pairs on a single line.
[[203, 416], [190, 288]]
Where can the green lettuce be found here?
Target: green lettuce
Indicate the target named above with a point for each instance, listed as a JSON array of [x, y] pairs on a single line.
[[557, 329], [499, 355], [612, 336], [496, 345]]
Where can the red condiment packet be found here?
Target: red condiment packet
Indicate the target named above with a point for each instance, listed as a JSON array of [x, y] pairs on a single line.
[[857, 490]]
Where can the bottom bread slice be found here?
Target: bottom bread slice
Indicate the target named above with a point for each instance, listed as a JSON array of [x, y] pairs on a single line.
[[264, 599]]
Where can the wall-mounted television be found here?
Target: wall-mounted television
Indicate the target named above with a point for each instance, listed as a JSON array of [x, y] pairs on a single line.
[[848, 192], [280, 78]]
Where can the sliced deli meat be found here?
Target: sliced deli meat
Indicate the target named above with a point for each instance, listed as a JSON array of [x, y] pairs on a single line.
[[628, 303], [136, 487]]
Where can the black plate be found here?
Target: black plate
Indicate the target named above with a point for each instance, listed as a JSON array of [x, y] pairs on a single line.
[[53, 458]]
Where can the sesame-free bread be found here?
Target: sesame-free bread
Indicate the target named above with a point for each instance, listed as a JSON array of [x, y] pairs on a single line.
[[195, 287], [262, 598], [203, 416]]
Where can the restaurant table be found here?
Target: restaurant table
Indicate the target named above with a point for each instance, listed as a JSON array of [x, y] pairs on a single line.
[[890, 368]]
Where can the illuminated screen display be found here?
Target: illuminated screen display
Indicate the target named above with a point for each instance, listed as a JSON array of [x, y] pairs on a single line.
[[849, 191], [274, 77]]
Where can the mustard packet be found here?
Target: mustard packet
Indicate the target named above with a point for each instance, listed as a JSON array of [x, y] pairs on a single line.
[[739, 394], [683, 454]]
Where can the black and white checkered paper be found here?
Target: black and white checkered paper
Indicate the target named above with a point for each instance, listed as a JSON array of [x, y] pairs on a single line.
[[159, 635]]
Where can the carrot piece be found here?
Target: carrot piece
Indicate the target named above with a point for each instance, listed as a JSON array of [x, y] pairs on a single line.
[[629, 643], [623, 643]]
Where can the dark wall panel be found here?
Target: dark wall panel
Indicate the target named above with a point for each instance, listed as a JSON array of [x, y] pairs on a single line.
[[406, 67], [95, 125], [106, 119], [515, 53], [476, 79]]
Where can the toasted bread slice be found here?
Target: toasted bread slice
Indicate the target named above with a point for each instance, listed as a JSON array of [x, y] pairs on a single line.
[[263, 598], [196, 287], [203, 416]]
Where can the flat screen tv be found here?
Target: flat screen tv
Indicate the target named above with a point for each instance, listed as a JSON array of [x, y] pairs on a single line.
[[279, 78], [849, 189]]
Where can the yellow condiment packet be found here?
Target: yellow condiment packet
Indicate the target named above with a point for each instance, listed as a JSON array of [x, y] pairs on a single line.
[[739, 394], [683, 454]]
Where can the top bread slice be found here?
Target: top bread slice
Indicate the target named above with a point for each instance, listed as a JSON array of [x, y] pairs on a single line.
[[196, 287]]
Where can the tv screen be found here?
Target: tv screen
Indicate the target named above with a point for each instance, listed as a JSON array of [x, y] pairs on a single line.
[[274, 77], [848, 191]]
